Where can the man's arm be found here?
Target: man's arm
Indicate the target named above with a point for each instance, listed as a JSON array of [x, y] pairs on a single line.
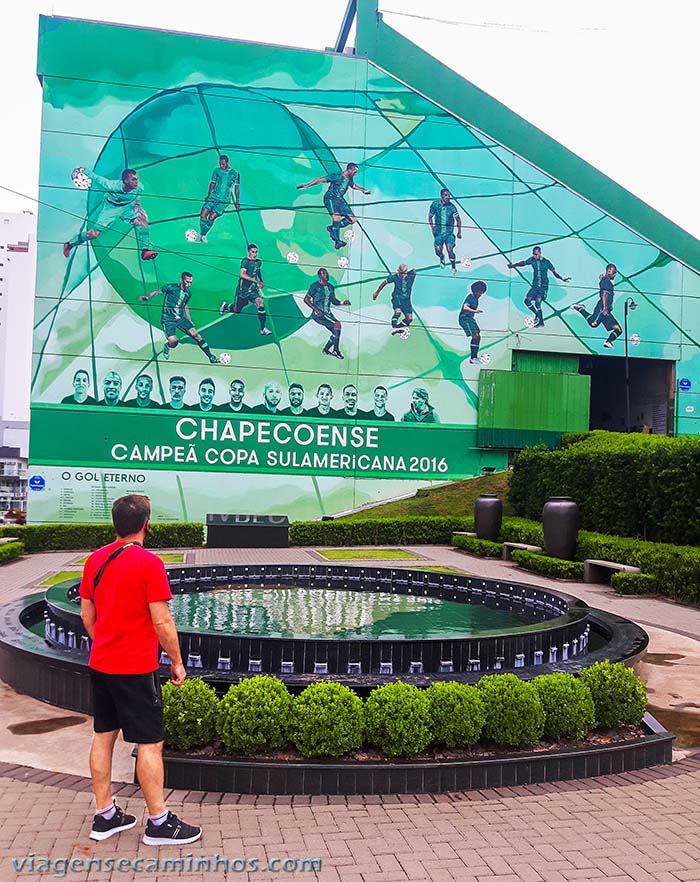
[[89, 616], [431, 215], [236, 195], [382, 285], [308, 300], [604, 299], [561, 278], [145, 297], [259, 282], [467, 308], [518, 264], [354, 186], [105, 183], [459, 226], [167, 637], [186, 310], [336, 302], [312, 183]]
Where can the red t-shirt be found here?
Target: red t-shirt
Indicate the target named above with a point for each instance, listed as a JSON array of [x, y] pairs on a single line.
[[125, 640]]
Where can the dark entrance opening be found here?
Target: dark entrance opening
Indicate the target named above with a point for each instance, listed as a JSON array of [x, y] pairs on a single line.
[[652, 383]]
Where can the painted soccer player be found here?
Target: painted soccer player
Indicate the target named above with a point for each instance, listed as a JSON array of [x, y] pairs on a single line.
[[320, 298], [349, 410], [442, 217], [334, 199], [176, 315], [223, 187], [272, 395], [249, 289], [235, 404], [402, 280], [470, 308], [111, 389], [421, 410], [295, 393], [379, 412], [602, 314], [144, 388], [207, 391], [540, 282], [177, 387], [324, 396], [81, 387], [120, 203]]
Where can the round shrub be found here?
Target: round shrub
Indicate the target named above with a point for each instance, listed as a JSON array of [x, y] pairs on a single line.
[[514, 712], [457, 713], [256, 715], [618, 694], [567, 704], [189, 714], [327, 720], [397, 719]]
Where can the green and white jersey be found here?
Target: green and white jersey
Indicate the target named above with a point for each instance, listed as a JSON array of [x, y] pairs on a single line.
[[174, 302], [540, 268], [443, 216], [402, 287], [472, 301], [338, 184], [323, 296], [114, 190], [254, 269], [224, 182]]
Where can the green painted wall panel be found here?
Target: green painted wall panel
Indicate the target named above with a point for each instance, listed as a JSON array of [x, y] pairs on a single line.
[[526, 361]]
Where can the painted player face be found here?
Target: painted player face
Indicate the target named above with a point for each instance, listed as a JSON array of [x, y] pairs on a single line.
[[537, 253], [206, 395], [445, 196], [323, 276], [296, 396], [144, 387], [81, 384], [224, 163], [253, 253], [420, 405], [324, 396], [131, 182], [237, 392], [611, 271], [186, 283], [350, 399], [402, 271], [380, 397], [273, 395], [177, 391], [112, 387], [350, 172]]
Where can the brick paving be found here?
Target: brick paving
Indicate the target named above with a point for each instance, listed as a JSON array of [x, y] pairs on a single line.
[[640, 826]]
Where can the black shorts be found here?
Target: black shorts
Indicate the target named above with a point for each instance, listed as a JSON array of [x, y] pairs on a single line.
[[130, 702]]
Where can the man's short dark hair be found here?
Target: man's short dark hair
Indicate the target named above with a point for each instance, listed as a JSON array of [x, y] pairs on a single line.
[[178, 377], [295, 386], [537, 248], [325, 386], [186, 275], [205, 381], [130, 513], [479, 287], [252, 245], [383, 388], [349, 386], [609, 265], [351, 165], [233, 382], [127, 172], [224, 156], [81, 371]]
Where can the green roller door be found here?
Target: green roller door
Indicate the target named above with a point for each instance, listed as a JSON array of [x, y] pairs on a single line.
[[521, 408]]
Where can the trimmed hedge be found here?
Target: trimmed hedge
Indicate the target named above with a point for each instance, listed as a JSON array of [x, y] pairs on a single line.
[[328, 720], [568, 705], [379, 531], [634, 583], [548, 566], [514, 712], [80, 537], [256, 715], [11, 551], [189, 714], [626, 484], [480, 547], [457, 713], [618, 694], [397, 719]]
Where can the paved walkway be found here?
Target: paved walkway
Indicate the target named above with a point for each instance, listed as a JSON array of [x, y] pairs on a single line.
[[636, 827]]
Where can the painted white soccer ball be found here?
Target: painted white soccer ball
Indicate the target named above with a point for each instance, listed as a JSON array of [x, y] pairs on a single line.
[[292, 257], [485, 358], [529, 321], [343, 262], [349, 235], [635, 339], [225, 358], [192, 236], [466, 263], [80, 178], [405, 334]]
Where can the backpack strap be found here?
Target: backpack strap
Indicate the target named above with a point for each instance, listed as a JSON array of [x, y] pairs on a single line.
[[113, 556]]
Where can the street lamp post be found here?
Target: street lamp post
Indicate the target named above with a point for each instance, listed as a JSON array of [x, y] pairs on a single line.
[[629, 304]]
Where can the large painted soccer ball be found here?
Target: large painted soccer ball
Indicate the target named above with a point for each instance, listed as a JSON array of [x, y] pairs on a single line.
[[529, 321], [405, 334], [466, 263], [224, 358], [635, 339], [81, 180], [192, 236], [349, 235], [485, 358], [292, 257], [343, 263]]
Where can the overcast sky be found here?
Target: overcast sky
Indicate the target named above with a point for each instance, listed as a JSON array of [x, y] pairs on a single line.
[[613, 80]]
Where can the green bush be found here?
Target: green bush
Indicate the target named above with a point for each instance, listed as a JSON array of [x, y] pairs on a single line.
[[522, 530], [514, 712], [548, 566], [457, 714], [618, 694], [327, 720], [634, 583], [255, 715], [379, 531], [626, 484], [79, 537], [11, 551], [568, 705], [397, 719], [480, 547], [189, 714]]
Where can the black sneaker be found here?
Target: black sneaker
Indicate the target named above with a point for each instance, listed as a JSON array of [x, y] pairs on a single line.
[[336, 353], [172, 831], [103, 829]]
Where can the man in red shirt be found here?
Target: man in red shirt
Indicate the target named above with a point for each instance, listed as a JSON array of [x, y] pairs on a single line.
[[124, 607]]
